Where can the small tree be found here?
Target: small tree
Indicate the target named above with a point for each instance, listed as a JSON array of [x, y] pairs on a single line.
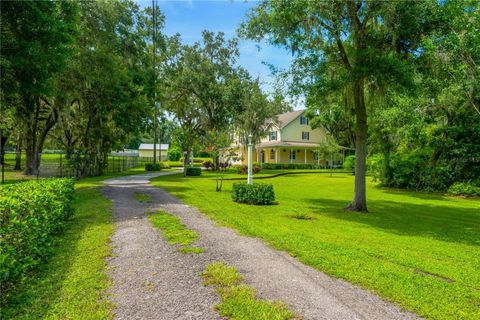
[[219, 147]]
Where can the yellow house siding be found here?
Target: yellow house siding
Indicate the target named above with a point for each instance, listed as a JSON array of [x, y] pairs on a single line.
[[293, 132]]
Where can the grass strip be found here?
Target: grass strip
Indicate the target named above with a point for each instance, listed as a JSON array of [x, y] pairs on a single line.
[[72, 283], [175, 232], [240, 301], [142, 197]]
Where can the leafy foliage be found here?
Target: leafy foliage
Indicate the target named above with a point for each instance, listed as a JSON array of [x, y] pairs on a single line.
[[31, 214], [255, 193], [174, 154], [193, 171], [152, 167]]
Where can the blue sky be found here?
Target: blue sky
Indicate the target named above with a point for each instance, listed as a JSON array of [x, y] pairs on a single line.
[[190, 18]]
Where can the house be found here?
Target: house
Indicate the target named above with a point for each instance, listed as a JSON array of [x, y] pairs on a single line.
[[145, 150], [292, 140]]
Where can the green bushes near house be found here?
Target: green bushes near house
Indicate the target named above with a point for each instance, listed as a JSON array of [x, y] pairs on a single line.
[[193, 171], [283, 166], [256, 193], [31, 213], [243, 169], [156, 166]]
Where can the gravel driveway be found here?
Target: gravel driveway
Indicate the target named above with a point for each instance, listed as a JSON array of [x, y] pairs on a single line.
[[151, 280]]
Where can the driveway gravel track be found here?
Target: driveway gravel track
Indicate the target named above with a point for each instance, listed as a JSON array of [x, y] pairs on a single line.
[[151, 280]]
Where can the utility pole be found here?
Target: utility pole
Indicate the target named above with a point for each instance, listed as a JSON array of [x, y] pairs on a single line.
[[154, 29]]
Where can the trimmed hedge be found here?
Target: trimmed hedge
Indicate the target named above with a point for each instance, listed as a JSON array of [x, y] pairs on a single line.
[[156, 166], [193, 171], [31, 213], [277, 166], [152, 166], [256, 193], [243, 169]]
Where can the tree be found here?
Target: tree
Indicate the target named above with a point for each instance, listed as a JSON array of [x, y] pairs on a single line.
[[199, 87], [258, 112], [347, 45], [33, 56]]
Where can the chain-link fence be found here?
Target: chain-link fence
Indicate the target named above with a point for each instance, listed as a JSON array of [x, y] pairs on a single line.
[[58, 164]]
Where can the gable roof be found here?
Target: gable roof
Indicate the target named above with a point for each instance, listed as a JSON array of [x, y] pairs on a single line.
[[149, 146], [285, 118]]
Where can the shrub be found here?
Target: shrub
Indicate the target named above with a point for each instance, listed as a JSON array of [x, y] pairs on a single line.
[[243, 169], [256, 193], [31, 213], [278, 166], [193, 171], [464, 189], [174, 154], [208, 164], [349, 163], [152, 166]]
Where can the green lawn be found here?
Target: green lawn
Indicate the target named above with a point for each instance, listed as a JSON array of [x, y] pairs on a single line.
[[419, 250]]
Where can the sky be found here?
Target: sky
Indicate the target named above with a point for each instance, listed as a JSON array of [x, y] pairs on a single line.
[[191, 17]]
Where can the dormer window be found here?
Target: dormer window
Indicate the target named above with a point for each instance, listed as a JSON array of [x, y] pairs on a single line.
[[305, 135], [273, 135], [303, 120]]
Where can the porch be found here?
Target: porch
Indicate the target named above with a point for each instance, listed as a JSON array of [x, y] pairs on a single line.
[[295, 152]]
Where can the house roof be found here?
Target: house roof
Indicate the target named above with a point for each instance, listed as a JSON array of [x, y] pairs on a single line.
[[285, 118], [149, 146]]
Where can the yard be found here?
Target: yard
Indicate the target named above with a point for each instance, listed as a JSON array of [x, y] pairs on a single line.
[[419, 250]]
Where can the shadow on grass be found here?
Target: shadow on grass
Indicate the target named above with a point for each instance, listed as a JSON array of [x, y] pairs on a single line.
[[445, 223]]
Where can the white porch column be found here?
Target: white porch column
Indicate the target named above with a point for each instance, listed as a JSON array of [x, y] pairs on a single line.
[[276, 155], [250, 160], [305, 155]]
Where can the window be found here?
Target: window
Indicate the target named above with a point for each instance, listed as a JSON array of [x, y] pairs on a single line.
[[272, 154], [315, 155], [273, 135], [305, 135], [293, 154], [303, 120]]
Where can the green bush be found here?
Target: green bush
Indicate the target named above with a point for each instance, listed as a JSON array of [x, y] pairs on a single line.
[[174, 154], [464, 189], [349, 163], [152, 166], [280, 166], [243, 169], [256, 193], [31, 213], [193, 171]]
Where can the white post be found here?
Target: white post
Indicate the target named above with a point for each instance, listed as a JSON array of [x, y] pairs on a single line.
[[250, 160], [276, 155], [305, 155]]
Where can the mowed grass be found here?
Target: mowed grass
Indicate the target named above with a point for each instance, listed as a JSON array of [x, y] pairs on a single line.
[[175, 232], [419, 250], [72, 284], [240, 301]]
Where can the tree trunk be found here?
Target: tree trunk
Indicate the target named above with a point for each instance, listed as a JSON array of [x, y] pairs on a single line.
[[359, 203], [18, 154]]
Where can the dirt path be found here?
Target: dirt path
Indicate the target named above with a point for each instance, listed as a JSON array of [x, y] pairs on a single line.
[[151, 280]]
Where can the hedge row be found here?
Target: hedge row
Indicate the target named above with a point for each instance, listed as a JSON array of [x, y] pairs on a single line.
[[256, 193], [276, 166], [31, 213], [156, 166], [193, 171]]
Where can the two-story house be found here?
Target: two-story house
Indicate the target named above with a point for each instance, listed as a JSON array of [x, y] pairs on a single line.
[[291, 140]]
